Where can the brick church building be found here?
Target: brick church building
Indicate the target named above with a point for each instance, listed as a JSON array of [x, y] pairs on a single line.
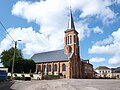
[[66, 61]]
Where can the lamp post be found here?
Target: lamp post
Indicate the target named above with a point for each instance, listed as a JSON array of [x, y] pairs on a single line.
[[12, 70]]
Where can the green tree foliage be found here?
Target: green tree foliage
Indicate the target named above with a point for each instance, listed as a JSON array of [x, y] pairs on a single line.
[[20, 64], [24, 66], [7, 57]]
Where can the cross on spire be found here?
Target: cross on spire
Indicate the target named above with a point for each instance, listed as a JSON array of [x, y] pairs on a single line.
[[71, 22]]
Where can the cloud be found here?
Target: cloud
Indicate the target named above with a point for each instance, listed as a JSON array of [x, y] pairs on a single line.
[[84, 31], [116, 36], [105, 41], [43, 12], [117, 1], [97, 59], [101, 9], [52, 17], [52, 21], [108, 49], [35, 42], [112, 47], [49, 8], [5, 43], [97, 30], [115, 60]]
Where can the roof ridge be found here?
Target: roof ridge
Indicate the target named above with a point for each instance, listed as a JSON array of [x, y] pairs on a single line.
[[48, 51]]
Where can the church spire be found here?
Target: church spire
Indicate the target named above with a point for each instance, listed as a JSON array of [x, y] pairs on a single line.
[[71, 22]]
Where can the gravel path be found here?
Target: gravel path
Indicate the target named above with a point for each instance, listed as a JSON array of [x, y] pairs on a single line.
[[66, 84]]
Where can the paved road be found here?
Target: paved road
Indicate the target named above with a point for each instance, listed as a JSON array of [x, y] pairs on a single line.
[[66, 84]]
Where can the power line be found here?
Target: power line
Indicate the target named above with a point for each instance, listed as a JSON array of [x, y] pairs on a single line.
[[6, 31], [2, 35]]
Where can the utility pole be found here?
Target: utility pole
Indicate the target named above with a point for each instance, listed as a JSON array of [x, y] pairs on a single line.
[[14, 55], [12, 70]]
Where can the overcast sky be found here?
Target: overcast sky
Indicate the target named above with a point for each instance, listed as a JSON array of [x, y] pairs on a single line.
[[40, 24]]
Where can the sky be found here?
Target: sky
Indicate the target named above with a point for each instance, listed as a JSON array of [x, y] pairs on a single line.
[[40, 25]]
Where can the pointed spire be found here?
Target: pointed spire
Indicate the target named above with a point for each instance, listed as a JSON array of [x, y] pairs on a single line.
[[71, 22]]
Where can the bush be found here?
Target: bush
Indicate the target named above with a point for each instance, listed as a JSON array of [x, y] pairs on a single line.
[[15, 75], [23, 75], [27, 78], [49, 77], [31, 75], [60, 74], [17, 78], [46, 77], [22, 78], [8, 77]]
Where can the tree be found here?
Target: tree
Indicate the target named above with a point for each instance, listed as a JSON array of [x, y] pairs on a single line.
[[26, 66], [20, 64], [30, 64], [7, 57]]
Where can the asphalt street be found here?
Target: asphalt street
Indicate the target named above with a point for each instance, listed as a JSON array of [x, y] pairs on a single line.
[[63, 84]]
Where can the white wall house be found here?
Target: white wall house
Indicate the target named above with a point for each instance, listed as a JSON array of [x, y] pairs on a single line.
[[102, 71]]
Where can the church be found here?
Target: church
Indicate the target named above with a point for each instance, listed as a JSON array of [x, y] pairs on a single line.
[[66, 62]]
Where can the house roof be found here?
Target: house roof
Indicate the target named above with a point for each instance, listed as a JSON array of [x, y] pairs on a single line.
[[116, 70], [57, 55], [102, 68]]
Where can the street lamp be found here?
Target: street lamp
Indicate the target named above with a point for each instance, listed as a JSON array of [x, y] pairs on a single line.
[[12, 70]]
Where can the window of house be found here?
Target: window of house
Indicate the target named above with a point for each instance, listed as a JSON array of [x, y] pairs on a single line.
[[118, 76], [55, 67], [49, 68], [39, 68], [63, 67], [44, 68], [100, 71], [69, 39]]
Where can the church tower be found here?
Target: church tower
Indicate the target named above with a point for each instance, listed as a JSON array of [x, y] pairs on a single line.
[[71, 40], [71, 47]]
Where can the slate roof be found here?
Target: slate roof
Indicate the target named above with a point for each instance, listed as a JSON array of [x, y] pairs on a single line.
[[116, 70], [49, 56], [102, 68]]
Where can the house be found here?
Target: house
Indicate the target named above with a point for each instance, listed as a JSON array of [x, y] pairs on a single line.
[[102, 71], [115, 73], [87, 69], [66, 61]]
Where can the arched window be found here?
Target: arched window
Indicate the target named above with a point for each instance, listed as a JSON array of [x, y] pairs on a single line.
[[49, 68], [44, 68], [63, 67], [69, 39], [39, 68], [55, 67]]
